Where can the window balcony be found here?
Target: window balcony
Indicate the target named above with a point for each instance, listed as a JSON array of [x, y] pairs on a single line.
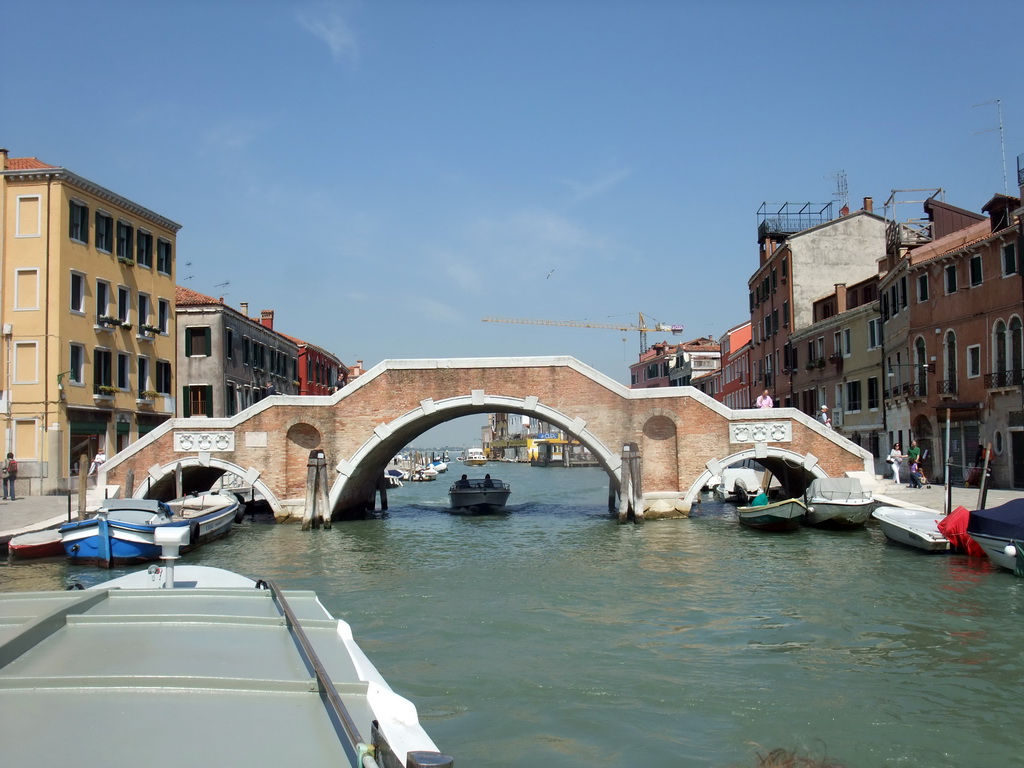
[[1004, 379], [946, 388]]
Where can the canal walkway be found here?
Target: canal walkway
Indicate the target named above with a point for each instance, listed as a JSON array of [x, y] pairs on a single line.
[[36, 513]]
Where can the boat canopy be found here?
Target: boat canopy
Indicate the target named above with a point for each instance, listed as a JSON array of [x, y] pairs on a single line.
[[1004, 522], [835, 488]]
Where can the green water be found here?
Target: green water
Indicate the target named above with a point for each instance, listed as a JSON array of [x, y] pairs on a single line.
[[553, 636]]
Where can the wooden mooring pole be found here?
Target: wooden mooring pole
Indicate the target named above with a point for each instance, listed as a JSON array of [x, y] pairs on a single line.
[[631, 494], [316, 513]]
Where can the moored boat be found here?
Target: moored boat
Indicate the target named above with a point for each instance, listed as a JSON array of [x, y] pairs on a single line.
[[36, 544], [474, 457], [486, 494], [122, 531], [738, 484], [229, 654], [838, 502], [918, 528], [1000, 532], [783, 515]]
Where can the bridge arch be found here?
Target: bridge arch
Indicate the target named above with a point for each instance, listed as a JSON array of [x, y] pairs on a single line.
[[196, 474], [762, 453], [357, 476]]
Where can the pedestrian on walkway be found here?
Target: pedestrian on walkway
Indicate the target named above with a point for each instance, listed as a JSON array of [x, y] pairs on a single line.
[[10, 472], [97, 461], [896, 458], [823, 416], [765, 400]]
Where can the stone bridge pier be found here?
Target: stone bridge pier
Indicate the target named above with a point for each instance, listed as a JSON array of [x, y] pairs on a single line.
[[682, 436]]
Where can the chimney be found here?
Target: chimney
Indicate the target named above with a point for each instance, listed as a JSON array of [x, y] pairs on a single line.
[[844, 211], [869, 204], [3, 159], [267, 318], [243, 307], [840, 298]]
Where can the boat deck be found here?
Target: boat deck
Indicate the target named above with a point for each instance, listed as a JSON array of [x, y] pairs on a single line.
[[197, 677]]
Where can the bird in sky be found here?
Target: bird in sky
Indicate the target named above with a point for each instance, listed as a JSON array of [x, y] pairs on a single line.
[[549, 275]]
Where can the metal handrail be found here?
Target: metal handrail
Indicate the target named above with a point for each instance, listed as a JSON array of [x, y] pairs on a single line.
[[361, 751]]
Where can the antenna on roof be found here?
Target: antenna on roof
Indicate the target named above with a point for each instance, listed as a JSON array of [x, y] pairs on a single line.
[[1002, 146], [841, 194]]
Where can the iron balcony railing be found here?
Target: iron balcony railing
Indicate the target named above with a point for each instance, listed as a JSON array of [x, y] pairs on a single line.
[[946, 387], [1002, 379]]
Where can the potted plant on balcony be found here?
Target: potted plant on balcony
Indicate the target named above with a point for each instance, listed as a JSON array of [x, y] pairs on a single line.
[[145, 329], [820, 363], [108, 321], [148, 396]]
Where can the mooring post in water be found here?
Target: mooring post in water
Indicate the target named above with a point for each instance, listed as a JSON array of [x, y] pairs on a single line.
[[83, 484], [129, 483], [316, 493], [382, 489], [631, 494]]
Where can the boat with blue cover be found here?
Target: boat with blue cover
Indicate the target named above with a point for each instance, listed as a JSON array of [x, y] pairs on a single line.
[[121, 532]]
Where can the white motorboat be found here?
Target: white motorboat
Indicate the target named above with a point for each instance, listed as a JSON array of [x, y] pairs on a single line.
[[474, 457], [200, 665], [1000, 532], [476, 494], [738, 484], [914, 527], [838, 502]]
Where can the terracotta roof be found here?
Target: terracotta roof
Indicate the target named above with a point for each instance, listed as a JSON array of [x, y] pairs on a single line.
[[957, 241], [26, 164], [186, 297]]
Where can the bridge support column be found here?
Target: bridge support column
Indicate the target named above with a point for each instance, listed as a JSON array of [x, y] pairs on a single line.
[[631, 496]]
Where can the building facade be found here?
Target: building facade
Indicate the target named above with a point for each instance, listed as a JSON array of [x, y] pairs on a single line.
[[87, 317]]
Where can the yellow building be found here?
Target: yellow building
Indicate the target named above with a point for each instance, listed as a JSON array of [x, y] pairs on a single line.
[[87, 308]]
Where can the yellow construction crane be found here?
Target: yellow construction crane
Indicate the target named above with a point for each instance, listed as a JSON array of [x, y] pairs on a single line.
[[641, 326]]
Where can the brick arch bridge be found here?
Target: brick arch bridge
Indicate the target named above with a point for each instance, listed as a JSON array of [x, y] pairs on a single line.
[[683, 436]]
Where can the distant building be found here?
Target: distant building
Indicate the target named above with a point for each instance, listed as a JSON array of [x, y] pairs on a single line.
[[88, 322], [734, 372]]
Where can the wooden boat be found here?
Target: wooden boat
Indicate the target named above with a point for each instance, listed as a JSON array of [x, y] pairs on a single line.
[[784, 515], [1000, 532], [838, 502], [122, 530], [738, 484], [36, 544], [917, 528], [203, 664], [479, 495]]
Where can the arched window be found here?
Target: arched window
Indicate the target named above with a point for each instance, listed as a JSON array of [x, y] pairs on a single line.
[[1016, 351], [999, 344], [950, 362], [921, 361]]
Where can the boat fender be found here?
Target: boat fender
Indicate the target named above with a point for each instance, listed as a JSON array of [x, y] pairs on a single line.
[[1010, 551], [193, 534]]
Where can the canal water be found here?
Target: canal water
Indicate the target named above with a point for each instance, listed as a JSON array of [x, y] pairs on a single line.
[[553, 636]]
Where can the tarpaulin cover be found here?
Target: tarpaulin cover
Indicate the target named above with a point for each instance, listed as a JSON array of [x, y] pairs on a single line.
[[1004, 522], [954, 528]]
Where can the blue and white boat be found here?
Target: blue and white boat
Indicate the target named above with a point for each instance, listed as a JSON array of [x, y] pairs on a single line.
[[121, 532]]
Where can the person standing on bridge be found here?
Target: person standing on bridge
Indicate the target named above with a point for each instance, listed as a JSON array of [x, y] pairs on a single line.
[[765, 400], [823, 417]]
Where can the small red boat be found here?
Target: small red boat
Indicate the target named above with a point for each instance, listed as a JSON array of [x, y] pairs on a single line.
[[27, 546]]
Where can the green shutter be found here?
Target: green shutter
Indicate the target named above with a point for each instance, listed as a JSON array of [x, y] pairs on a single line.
[[188, 342], [209, 400], [186, 403], [208, 338]]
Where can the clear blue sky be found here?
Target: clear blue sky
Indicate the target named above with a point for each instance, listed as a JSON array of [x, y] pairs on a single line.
[[386, 174]]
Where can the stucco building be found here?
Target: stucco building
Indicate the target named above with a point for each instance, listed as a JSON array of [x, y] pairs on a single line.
[[87, 317]]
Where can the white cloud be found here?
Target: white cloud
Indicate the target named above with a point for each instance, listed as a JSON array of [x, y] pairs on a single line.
[[586, 190], [327, 23]]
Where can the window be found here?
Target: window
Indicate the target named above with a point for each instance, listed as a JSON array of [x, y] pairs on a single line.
[[197, 341], [124, 304], [124, 362], [974, 361], [76, 371], [163, 377], [873, 393], [847, 343], [163, 314], [78, 225], [78, 293], [104, 232], [144, 249], [999, 346], [26, 362], [143, 369], [922, 288], [231, 401], [837, 344], [229, 348], [163, 256], [198, 401], [975, 270], [102, 298], [1010, 259], [101, 372], [853, 396], [874, 333], [143, 309], [903, 292], [26, 289], [951, 279], [125, 241]]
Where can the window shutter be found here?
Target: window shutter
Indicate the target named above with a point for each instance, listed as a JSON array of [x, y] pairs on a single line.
[[208, 399], [207, 336], [186, 403], [188, 342]]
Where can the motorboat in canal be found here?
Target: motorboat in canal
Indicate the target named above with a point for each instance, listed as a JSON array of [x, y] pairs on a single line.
[[918, 528], [201, 665], [1000, 532], [122, 531], [474, 457], [476, 494], [783, 515], [838, 502], [737, 484]]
